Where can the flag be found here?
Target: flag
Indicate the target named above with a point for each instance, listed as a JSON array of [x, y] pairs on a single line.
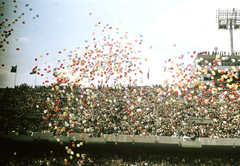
[[14, 69], [148, 73], [34, 70]]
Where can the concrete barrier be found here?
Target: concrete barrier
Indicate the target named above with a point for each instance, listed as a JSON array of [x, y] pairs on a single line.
[[169, 140], [78, 136], [42, 136], [191, 144], [158, 140], [6, 135], [63, 139], [201, 121], [144, 139], [96, 140], [22, 138]]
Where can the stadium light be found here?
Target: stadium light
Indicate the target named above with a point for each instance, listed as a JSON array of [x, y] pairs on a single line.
[[229, 19]]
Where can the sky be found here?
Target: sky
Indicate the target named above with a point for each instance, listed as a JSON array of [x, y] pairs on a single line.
[[168, 30]]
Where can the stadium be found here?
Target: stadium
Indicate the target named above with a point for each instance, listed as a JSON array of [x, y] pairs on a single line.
[[103, 96]]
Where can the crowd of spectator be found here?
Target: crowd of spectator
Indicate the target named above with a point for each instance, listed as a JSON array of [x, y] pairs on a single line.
[[123, 110], [104, 158]]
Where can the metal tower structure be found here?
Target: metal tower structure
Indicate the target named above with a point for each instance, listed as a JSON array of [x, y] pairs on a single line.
[[228, 19]]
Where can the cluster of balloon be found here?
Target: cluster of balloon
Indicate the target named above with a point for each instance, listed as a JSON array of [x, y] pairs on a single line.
[[105, 59], [70, 151], [114, 59], [110, 59], [179, 69], [189, 84], [8, 25]]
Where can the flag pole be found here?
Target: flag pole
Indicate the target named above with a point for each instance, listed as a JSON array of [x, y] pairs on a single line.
[[148, 74], [111, 81], [36, 78], [15, 77]]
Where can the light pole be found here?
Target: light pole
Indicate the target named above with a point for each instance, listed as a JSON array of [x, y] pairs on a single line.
[[228, 19]]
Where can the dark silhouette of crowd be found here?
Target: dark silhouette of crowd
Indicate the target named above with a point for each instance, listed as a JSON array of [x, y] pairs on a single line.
[[122, 110]]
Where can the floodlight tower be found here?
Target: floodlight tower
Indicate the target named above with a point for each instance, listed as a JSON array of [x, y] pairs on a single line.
[[229, 19]]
